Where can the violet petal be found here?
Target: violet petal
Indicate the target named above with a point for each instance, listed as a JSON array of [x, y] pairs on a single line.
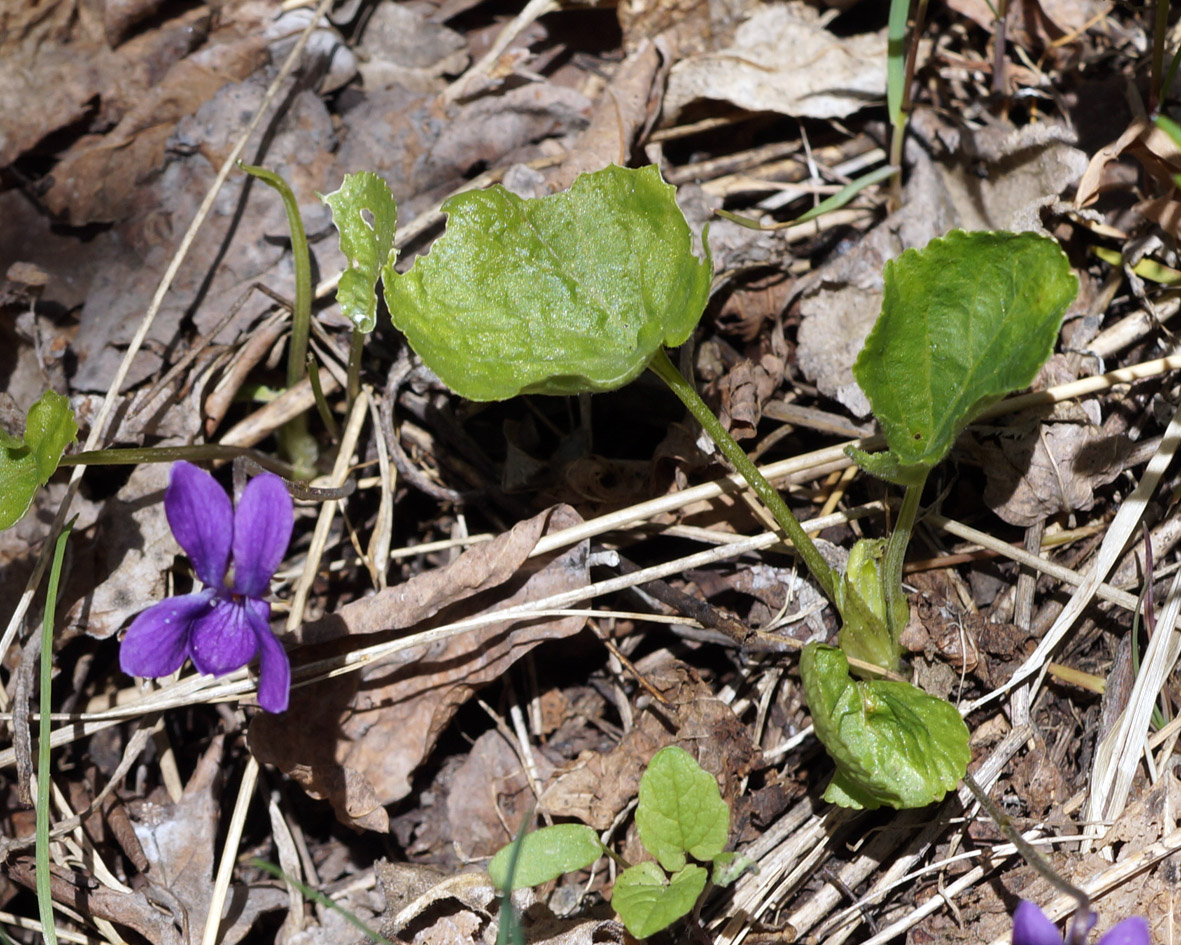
[[262, 531], [202, 519], [222, 640], [274, 669], [1133, 931], [157, 640], [1031, 927]]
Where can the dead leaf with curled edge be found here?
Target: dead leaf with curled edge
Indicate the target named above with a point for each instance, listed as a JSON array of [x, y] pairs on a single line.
[[357, 739], [783, 60], [1050, 469]]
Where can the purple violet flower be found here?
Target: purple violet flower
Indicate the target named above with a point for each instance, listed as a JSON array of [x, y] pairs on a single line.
[[1032, 927], [223, 626]]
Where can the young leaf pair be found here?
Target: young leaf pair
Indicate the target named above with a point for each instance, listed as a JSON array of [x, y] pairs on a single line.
[[580, 291], [680, 815]]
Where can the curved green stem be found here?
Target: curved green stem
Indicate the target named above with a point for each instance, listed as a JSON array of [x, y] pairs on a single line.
[[1036, 860], [356, 347], [896, 555], [297, 443], [201, 452], [825, 576], [301, 312]]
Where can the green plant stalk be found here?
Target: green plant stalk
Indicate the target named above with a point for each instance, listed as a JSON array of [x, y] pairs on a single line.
[[1033, 858], [999, 34], [297, 443], [201, 452], [667, 372], [44, 892], [321, 400], [356, 346], [509, 931], [896, 554], [896, 85], [1170, 74], [1160, 29], [301, 312], [316, 896]]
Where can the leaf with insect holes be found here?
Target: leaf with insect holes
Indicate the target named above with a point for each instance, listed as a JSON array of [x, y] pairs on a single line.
[[964, 321], [546, 854], [681, 810], [894, 745], [366, 215], [648, 901], [563, 294], [27, 462]]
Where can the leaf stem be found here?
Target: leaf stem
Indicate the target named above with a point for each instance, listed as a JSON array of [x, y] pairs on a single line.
[[201, 452], [301, 312], [297, 443], [321, 402], [896, 554], [1082, 920], [667, 372], [44, 892], [356, 345]]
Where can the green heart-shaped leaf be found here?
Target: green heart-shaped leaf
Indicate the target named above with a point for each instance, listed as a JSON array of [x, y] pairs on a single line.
[[27, 463], [893, 744], [558, 295], [680, 810], [648, 902], [366, 215], [546, 854], [964, 321]]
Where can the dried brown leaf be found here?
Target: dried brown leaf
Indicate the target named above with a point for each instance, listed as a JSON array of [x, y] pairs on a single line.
[[378, 725], [783, 60]]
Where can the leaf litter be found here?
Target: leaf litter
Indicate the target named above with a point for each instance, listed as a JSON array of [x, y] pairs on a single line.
[[392, 780]]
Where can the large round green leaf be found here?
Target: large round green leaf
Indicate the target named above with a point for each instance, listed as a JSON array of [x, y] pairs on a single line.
[[893, 744], [558, 295], [964, 321]]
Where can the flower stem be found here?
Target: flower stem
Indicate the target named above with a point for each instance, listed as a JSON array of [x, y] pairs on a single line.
[[356, 346], [299, 445], [44, 892], [133, 456], [825, 576]]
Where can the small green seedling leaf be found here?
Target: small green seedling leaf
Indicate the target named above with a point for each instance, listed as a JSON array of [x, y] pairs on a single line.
[[563, 294], [647, 901], [366, 215], [964, 321], [893, 744], [680, 810], [26, 463], [546, 854]]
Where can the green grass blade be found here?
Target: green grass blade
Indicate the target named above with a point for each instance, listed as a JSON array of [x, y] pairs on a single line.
[[509, 931], [44, 893], [316, 896], [828, 205]]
